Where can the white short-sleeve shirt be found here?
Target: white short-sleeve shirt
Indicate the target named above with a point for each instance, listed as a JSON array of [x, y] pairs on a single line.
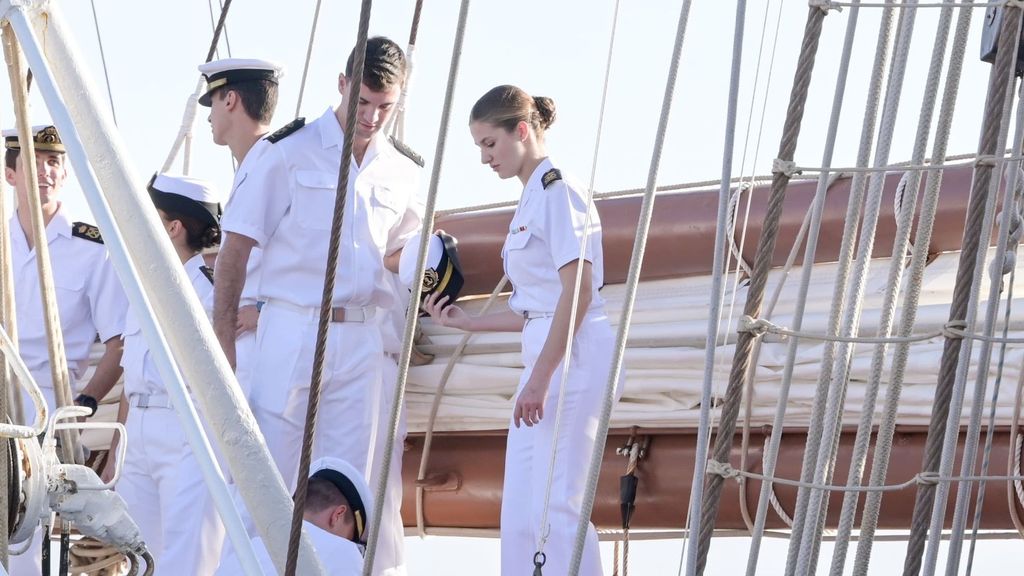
[[546, 233], [90, 299], [338, 556], [141, 375], [240, 185], [290, 208]]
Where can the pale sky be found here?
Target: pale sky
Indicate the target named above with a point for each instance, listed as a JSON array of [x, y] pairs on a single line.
[[551, 48]]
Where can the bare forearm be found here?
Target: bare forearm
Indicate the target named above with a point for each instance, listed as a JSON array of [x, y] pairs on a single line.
[[229, 279], [554, 345], [107, 371], [506, 321]]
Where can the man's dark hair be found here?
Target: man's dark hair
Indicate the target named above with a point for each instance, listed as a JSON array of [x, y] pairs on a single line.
[[198, 235], [259, 98], [384, 66], [321, 494]]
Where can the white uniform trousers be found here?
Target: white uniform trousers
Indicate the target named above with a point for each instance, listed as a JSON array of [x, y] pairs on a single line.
[[245, 358], [164, 490], [389, 559], [349, 408], [528, 454]]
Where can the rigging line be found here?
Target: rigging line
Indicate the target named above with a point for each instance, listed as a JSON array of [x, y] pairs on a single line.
[[949, 330], [812, 223], [1013, 457], [738, 250], [705, 501], [725, 471], [412, 314], [227, 40], [698, 511], [213, 25], [103, 59], [910, 183], [978, 222], [428, 437], [990, 433], [853, 215], [990, 317], [327, 299], [807, 559], [309, 56], [919, 260], [965, 3], [543, 528]]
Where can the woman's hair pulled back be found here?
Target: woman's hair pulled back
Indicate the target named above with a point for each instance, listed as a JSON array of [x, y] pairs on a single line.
[[506, 106]]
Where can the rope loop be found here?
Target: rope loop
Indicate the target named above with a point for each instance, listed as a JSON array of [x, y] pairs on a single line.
[[785, 167], [825, 5], [1013, 4], [954, 329], [927, 478], [757, 327], [722, 469]]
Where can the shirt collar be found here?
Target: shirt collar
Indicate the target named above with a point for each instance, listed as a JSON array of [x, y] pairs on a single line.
[[60, 225], [331, 135], [538, 173]]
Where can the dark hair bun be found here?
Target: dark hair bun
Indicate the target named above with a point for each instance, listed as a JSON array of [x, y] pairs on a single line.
[[545, 111], [210, 237]]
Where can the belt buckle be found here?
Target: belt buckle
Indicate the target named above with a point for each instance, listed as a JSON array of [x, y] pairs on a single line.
[[338, 314]]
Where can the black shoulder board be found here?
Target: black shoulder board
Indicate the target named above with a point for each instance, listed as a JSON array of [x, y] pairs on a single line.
[[287, 130], [208, 272], [550, 176], [86, 231], [404, 149]]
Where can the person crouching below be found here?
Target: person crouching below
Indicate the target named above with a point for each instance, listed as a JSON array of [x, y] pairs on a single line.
[[336, 519]]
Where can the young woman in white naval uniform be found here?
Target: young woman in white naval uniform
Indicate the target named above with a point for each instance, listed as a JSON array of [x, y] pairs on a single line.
[[161, 483], [542, 255]]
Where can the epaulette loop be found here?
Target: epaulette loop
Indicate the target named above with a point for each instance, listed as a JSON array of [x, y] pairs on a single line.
[[550, 176], [86, 231], [208, 272], [286, 130], [404, 150]]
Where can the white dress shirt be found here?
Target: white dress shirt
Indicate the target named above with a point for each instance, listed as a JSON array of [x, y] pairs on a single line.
[[546, 233], [290, 208]]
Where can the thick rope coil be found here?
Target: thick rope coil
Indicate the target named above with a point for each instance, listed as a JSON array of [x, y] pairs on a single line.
[[90, 557]]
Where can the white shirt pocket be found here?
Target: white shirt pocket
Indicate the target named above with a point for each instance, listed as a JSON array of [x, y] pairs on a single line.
[[313, 203]]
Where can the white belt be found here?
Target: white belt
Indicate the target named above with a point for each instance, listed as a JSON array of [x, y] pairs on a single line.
[[338, 313], [531, 315], [149, 401]]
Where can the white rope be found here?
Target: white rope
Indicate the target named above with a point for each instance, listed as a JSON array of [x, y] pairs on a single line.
[[853, 215], [725, 470], [981, 379], [836, 391], [309, 55], [696, 509], [412, 314], [990, 433], [544, 529], [836, 5], [907, 193], [949, 330], [929, 206], [813, 220], [1017, 485], [774, 500], [951, 436]]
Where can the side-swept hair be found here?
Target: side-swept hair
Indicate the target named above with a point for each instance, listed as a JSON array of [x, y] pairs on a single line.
[[384, 66]]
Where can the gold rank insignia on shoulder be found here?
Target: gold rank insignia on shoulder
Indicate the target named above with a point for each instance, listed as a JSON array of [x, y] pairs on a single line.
[[550, 176], [208, 272], [286, 130], [86, 231], [404, 150]]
